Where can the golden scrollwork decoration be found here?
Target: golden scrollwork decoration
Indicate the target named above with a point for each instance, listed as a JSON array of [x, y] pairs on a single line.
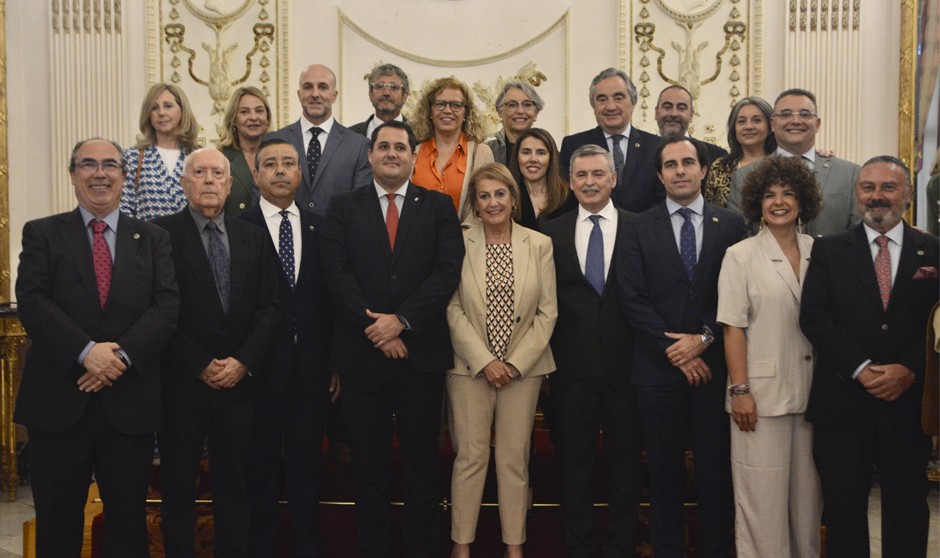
[[215, 15]]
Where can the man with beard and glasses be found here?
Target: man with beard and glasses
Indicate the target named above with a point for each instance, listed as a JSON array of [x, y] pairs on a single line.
[[674, 113], [795, 124], [388, 92], [866, 298]]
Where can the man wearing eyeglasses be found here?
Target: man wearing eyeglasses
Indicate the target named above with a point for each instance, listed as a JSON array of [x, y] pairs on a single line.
[[388, 92], [332, 159], [794, 124], [99, 300]]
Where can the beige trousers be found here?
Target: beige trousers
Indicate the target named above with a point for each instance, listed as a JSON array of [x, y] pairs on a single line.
[[476, 407], [778, 503]]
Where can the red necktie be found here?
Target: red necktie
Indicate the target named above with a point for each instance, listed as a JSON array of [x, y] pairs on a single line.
[[391, 220], [883, 270], [102, 257]]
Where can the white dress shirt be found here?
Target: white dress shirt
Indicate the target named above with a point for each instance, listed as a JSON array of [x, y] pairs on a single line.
[[272, 218], [375, 122], [400, 194], [582, 233], [326, 126], [809, 158]]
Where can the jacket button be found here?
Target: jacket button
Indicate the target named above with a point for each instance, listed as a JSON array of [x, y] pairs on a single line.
[[311, 204], [394, 277], [241, 205], [884, 327], [807, 358], [518, 319]]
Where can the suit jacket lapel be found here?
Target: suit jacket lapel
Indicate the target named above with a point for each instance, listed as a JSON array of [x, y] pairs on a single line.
[[667, 237], [193, 251], [296, 134], [912, 257], [333, 141], [308, 249], [238, 262], [567, 251], [414, 198], [780, 263], [520, 264], [372, 208], [821, 167], [632, 156], [125, 246], [864, 265], [476, 257], [74, 235]]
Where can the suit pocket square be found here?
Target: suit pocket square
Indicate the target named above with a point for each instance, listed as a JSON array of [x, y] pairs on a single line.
[[927, 272]]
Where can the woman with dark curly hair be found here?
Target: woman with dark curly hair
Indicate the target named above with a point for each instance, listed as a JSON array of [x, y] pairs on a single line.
[[451, 132], [770, 365]]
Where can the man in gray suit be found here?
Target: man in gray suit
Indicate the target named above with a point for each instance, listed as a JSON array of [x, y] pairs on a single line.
[[388, 91], [333, 159], [794, 124]]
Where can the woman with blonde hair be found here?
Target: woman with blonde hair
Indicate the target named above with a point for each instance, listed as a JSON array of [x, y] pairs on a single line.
[[451, 132], [243, 127], [168, 131], [501, 318]]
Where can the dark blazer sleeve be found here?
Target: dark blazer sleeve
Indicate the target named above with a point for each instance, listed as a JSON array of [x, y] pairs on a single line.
[[266, 316]]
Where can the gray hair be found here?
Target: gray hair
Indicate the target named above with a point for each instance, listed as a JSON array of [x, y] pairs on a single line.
[[389, 70], [891, 160], [187, 163], [590, 150], [116, 145], [609, 73], [523, 86]]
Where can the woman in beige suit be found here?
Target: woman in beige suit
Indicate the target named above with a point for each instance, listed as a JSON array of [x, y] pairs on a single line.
[[501, 319], [770, 366]]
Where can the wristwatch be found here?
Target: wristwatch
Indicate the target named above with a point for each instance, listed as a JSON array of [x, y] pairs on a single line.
[[707, 336]]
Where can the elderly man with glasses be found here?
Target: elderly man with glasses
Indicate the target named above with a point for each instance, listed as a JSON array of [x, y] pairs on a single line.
[[388, 92]]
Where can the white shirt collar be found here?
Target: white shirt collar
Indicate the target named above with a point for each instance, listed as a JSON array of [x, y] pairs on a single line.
[[111, 218], [269, 210], [896, 234], [809, 155], [609, 212], [326, 126], [625, 133], [381, 192], [697, 206]]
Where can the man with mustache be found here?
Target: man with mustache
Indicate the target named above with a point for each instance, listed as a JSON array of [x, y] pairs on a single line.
[[674, 113], [794, 124], [613, 97], [388, 92], [866, 299]]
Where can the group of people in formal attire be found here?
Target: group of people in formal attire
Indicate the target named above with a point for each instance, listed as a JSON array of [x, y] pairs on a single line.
[[764, 307]]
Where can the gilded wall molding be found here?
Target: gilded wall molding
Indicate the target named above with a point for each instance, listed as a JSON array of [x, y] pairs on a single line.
[[4, 166], [907, 98]]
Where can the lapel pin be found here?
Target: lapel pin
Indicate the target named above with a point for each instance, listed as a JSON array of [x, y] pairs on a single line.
[[312, 228], [715, 219], [636, 144], [826, 165], [920, 252], [416, 198], [137, 236]]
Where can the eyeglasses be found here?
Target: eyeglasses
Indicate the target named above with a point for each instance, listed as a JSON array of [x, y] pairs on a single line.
[[455, 106], [527, 106], [392, 87], [787, 114], [91, 166]]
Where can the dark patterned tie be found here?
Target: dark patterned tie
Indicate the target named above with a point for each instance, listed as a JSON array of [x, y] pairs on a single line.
[[594, 262], [883, 270], [101, 255], [391, 220], [618, 156], [687, 241], [285, 248], [219, 261], [313, 152]]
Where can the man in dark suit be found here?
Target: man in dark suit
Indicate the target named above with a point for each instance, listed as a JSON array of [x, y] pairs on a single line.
[[592, 344], [293, 393], [332, 159], [388, 92], [98, 299], [674, 113], [866, 299], [613, 97], [392, 266], [668, 275], [228, 320]]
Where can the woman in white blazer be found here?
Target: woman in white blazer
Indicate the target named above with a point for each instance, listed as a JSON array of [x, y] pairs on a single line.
[[770, 366], [501, 319]]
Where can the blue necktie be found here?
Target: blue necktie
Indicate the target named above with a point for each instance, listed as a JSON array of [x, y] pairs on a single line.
[[285, 248], [594, 262], [687, 242], [618, 157], [219, 260]]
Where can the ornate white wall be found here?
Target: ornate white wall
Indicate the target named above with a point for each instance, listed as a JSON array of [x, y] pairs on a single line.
[[81, 67]]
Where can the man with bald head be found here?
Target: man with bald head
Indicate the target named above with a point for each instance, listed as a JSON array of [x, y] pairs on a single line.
[[333, 158], [228, 321]]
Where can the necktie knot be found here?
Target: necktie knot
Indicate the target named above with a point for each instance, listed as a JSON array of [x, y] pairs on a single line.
[[616, 138], [98, 227], [316, 131], [211, 226], [596, 219], [284, 213], [685, 212], [882, 241]]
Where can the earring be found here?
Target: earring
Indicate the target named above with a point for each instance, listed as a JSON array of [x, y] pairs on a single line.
[[763, 223], [476, 213]]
